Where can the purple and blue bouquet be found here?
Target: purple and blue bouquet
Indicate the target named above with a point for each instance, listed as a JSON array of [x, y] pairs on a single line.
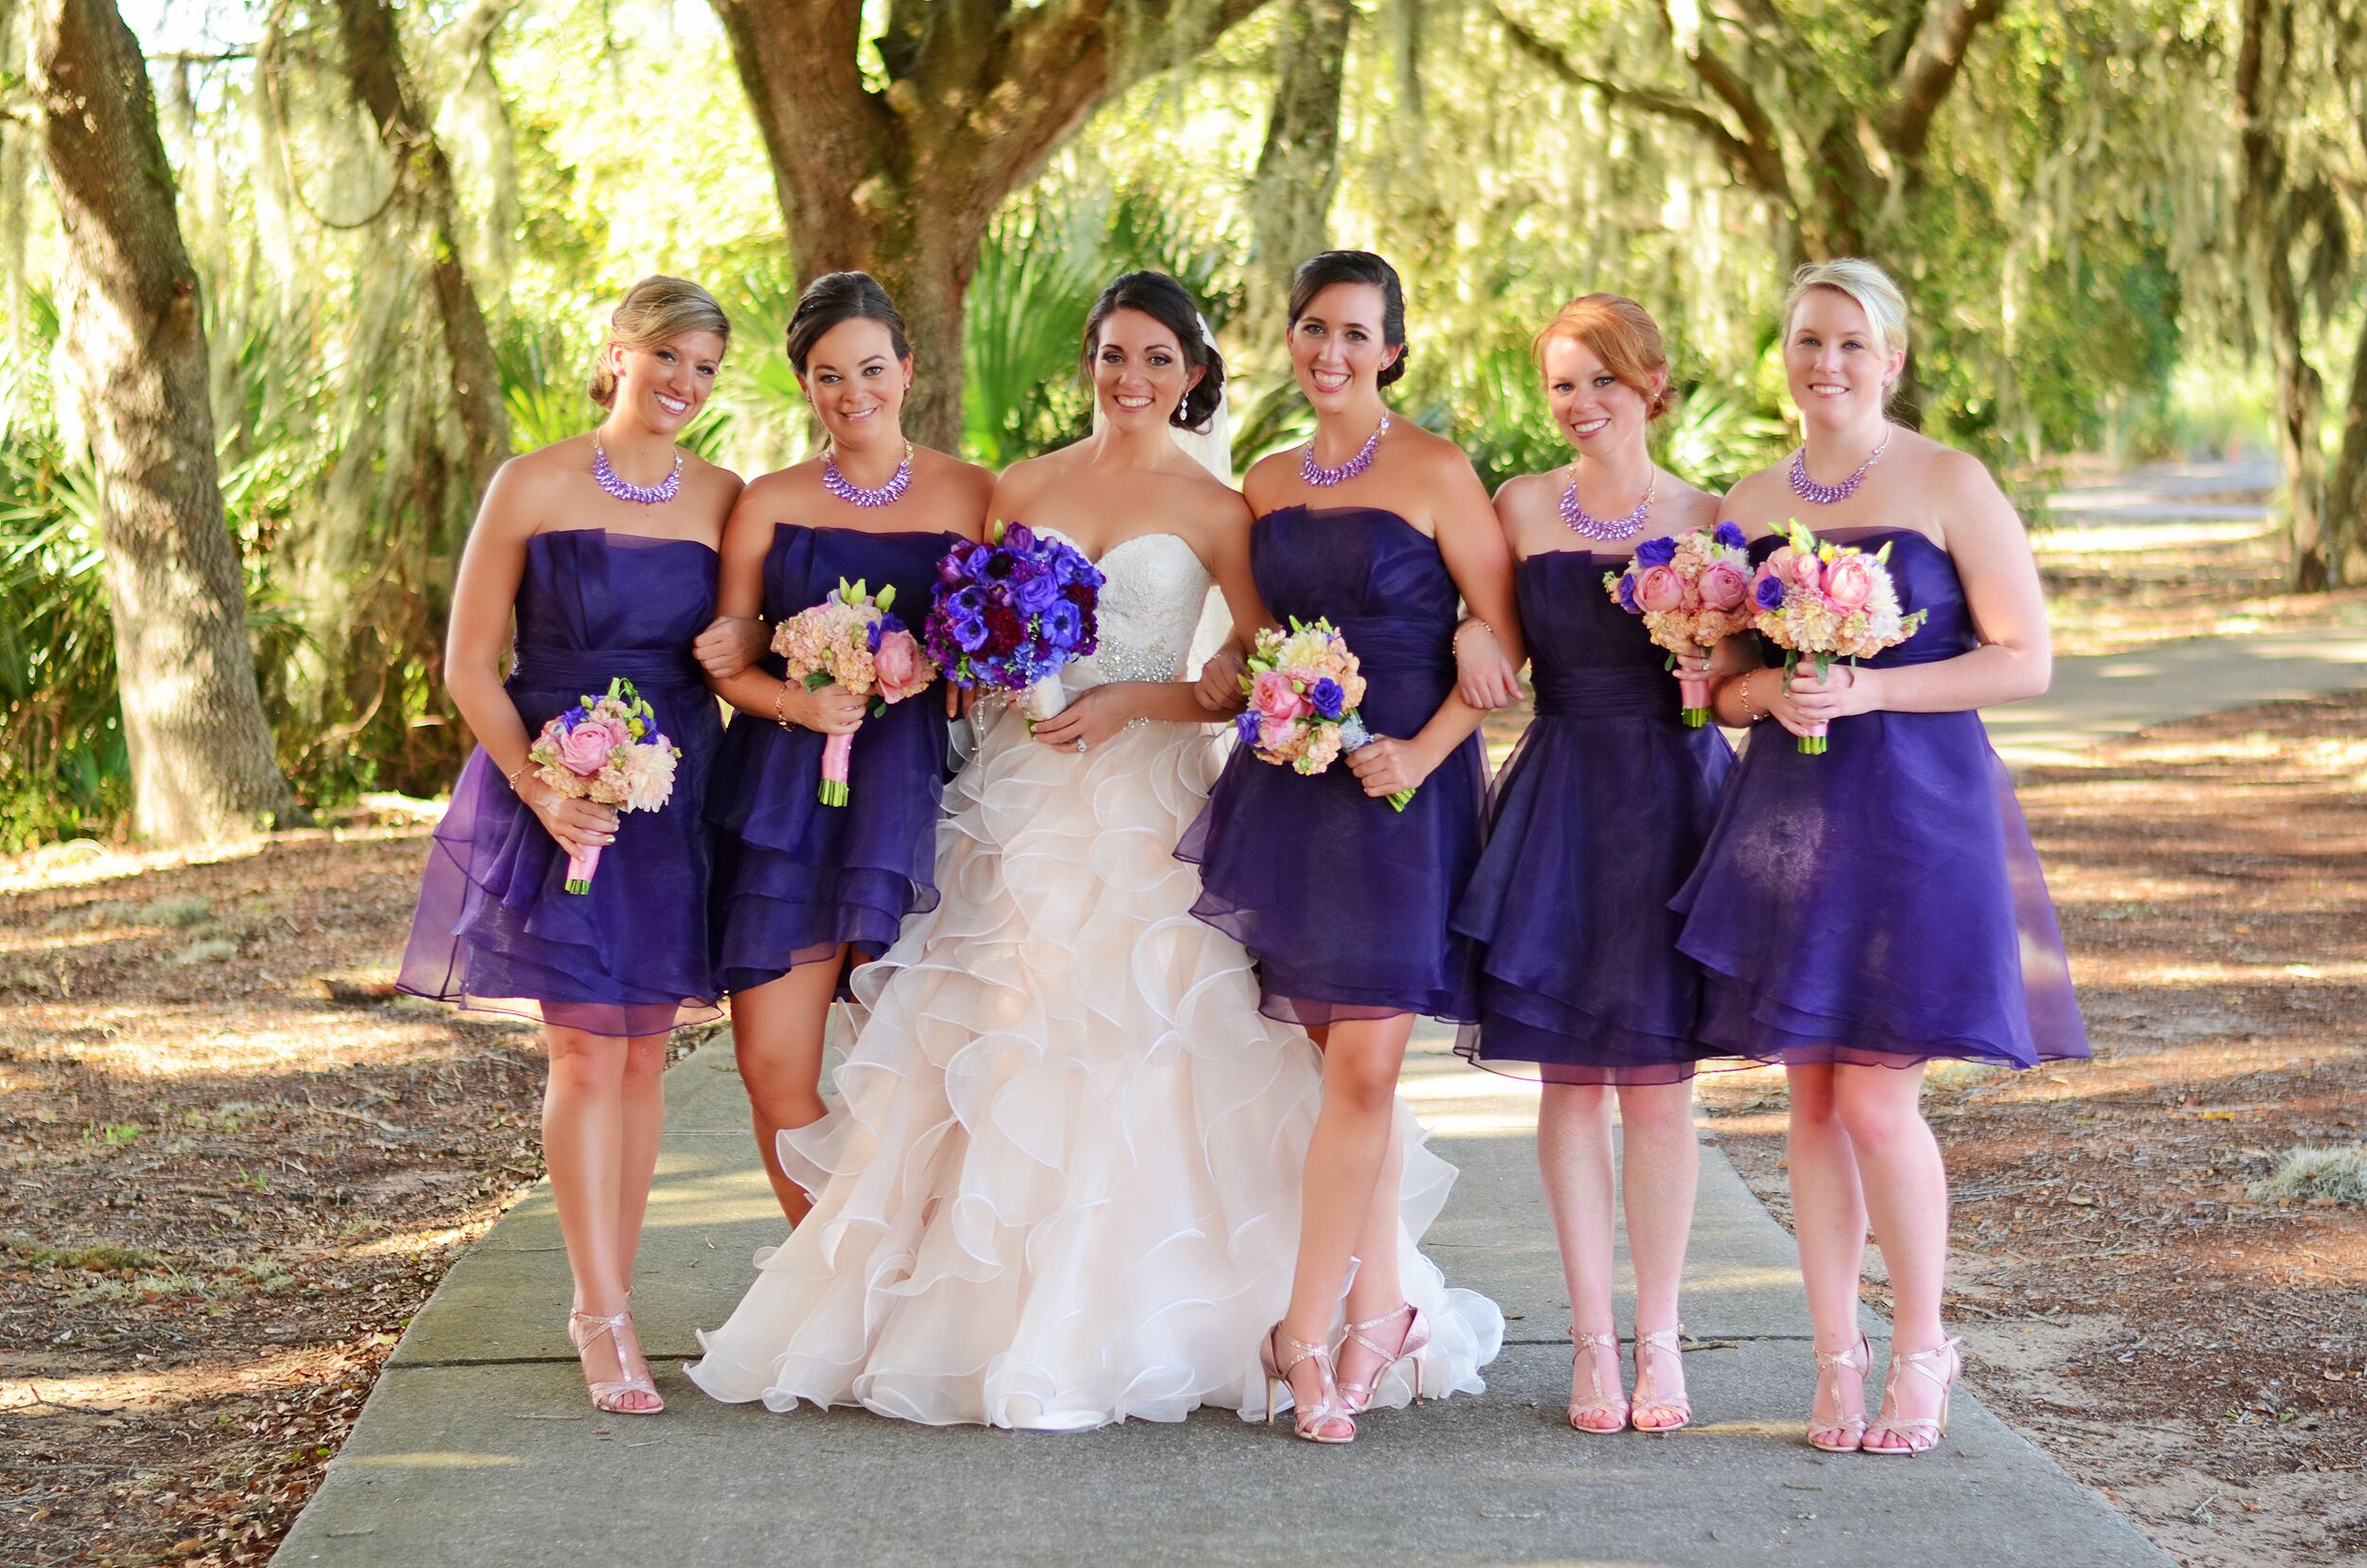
[[1007, 614]]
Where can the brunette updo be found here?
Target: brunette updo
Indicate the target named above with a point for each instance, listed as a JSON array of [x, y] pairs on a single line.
[[1165, 301], [836, 298], [1324, 268], [655, 311], [1624, 336]]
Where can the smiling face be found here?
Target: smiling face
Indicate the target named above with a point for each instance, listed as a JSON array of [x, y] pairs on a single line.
[[1597, 412], [665, 387], [856, 382], [1336, 345], [1838, 369], [1139, 370]]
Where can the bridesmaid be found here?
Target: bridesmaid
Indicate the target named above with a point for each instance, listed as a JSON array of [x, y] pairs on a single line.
[[603, 547], [1380, 526], [1863, 911], [1596, 821], [802, 890]]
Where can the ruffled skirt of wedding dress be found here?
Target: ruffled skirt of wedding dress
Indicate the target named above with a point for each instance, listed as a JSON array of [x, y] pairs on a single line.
[[1060, 1186]]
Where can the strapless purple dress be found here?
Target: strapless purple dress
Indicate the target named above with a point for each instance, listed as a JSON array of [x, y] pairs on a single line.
[[1881, 903], [495, 930], [1593, 825], [795, 879], [1342, 902]]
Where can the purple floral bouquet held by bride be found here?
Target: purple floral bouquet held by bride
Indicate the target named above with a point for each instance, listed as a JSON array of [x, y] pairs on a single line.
[[1007, 614], [606, 749]]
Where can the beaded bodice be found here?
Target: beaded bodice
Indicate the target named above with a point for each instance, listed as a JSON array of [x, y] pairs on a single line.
[[1149, 607]]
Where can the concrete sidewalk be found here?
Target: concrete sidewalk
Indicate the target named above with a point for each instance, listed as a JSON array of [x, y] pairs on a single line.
[[2105, 696], [477, 1445]]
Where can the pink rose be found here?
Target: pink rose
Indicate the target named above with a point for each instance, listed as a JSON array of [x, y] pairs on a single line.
[[1660, 588], [1722, 587], [898, 664], [1806, 573], [1849, 583], [619, 734], [1779, 560], [583, 751], [1277, 700]]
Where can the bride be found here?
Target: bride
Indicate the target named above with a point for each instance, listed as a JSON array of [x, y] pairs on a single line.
[[1060, 1186]]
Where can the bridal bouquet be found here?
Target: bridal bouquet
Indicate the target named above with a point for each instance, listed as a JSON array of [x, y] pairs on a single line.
[[1302, 687], [1691, 589], [850, 639], [1827, 601], [1007, 614], [606, 749]]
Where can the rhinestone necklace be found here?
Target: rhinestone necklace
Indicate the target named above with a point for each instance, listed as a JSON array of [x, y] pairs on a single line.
[[1324, 478], [1827, 495], [854, 494], [625, 489], [1587, 524]]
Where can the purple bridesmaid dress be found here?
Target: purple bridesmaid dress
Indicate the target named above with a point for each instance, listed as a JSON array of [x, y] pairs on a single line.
[[794, 878], [1342, 902], [1595, 822], [1881, 903], [495, 930]]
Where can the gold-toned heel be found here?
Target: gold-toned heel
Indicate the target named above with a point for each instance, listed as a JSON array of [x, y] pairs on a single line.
[[1915, 1433], [1323, 1422], [1681, 1406], [1356, 1398], [1843, 1434], [608, 1394], [1603, 1407]]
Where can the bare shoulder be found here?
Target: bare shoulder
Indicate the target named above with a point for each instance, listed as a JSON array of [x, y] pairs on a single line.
[[942, 467], [1437, 455], [776, 492], [1525, 507], [1685, 507], [1213, 505], [1756, 502], [1024, 483], [710, 481], [1262, 484]]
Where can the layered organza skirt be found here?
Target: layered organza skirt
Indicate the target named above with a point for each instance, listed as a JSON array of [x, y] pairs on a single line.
[[1881, 904]]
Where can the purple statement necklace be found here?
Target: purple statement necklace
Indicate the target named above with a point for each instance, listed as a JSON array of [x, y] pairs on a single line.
[[855, 495], [1827, 495], [1587, 524], [625, 489], [1324, 478]]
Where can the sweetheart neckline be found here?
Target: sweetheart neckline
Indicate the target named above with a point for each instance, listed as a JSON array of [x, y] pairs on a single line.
[[1070, 539]]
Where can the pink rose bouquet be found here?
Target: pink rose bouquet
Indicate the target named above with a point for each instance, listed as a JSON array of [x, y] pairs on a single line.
[[1827, 601], [851, 640], [1302, 687], [1693, 590], [606, 749]]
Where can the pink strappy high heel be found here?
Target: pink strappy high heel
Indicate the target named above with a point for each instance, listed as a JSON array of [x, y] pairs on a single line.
[[1605, 1413], [1356, 1398], [608, 1394], [1843, 1434], [1915, 1435], [1319, 1422], [1662, 1407]]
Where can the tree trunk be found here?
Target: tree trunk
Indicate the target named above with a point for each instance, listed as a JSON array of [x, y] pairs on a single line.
[[202, 760], [2265, 227], [1298, 169], [16, 178], [373, 51], [904, 181]]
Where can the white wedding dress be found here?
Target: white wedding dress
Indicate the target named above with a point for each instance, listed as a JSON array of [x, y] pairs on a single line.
[[1060, 1185]]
